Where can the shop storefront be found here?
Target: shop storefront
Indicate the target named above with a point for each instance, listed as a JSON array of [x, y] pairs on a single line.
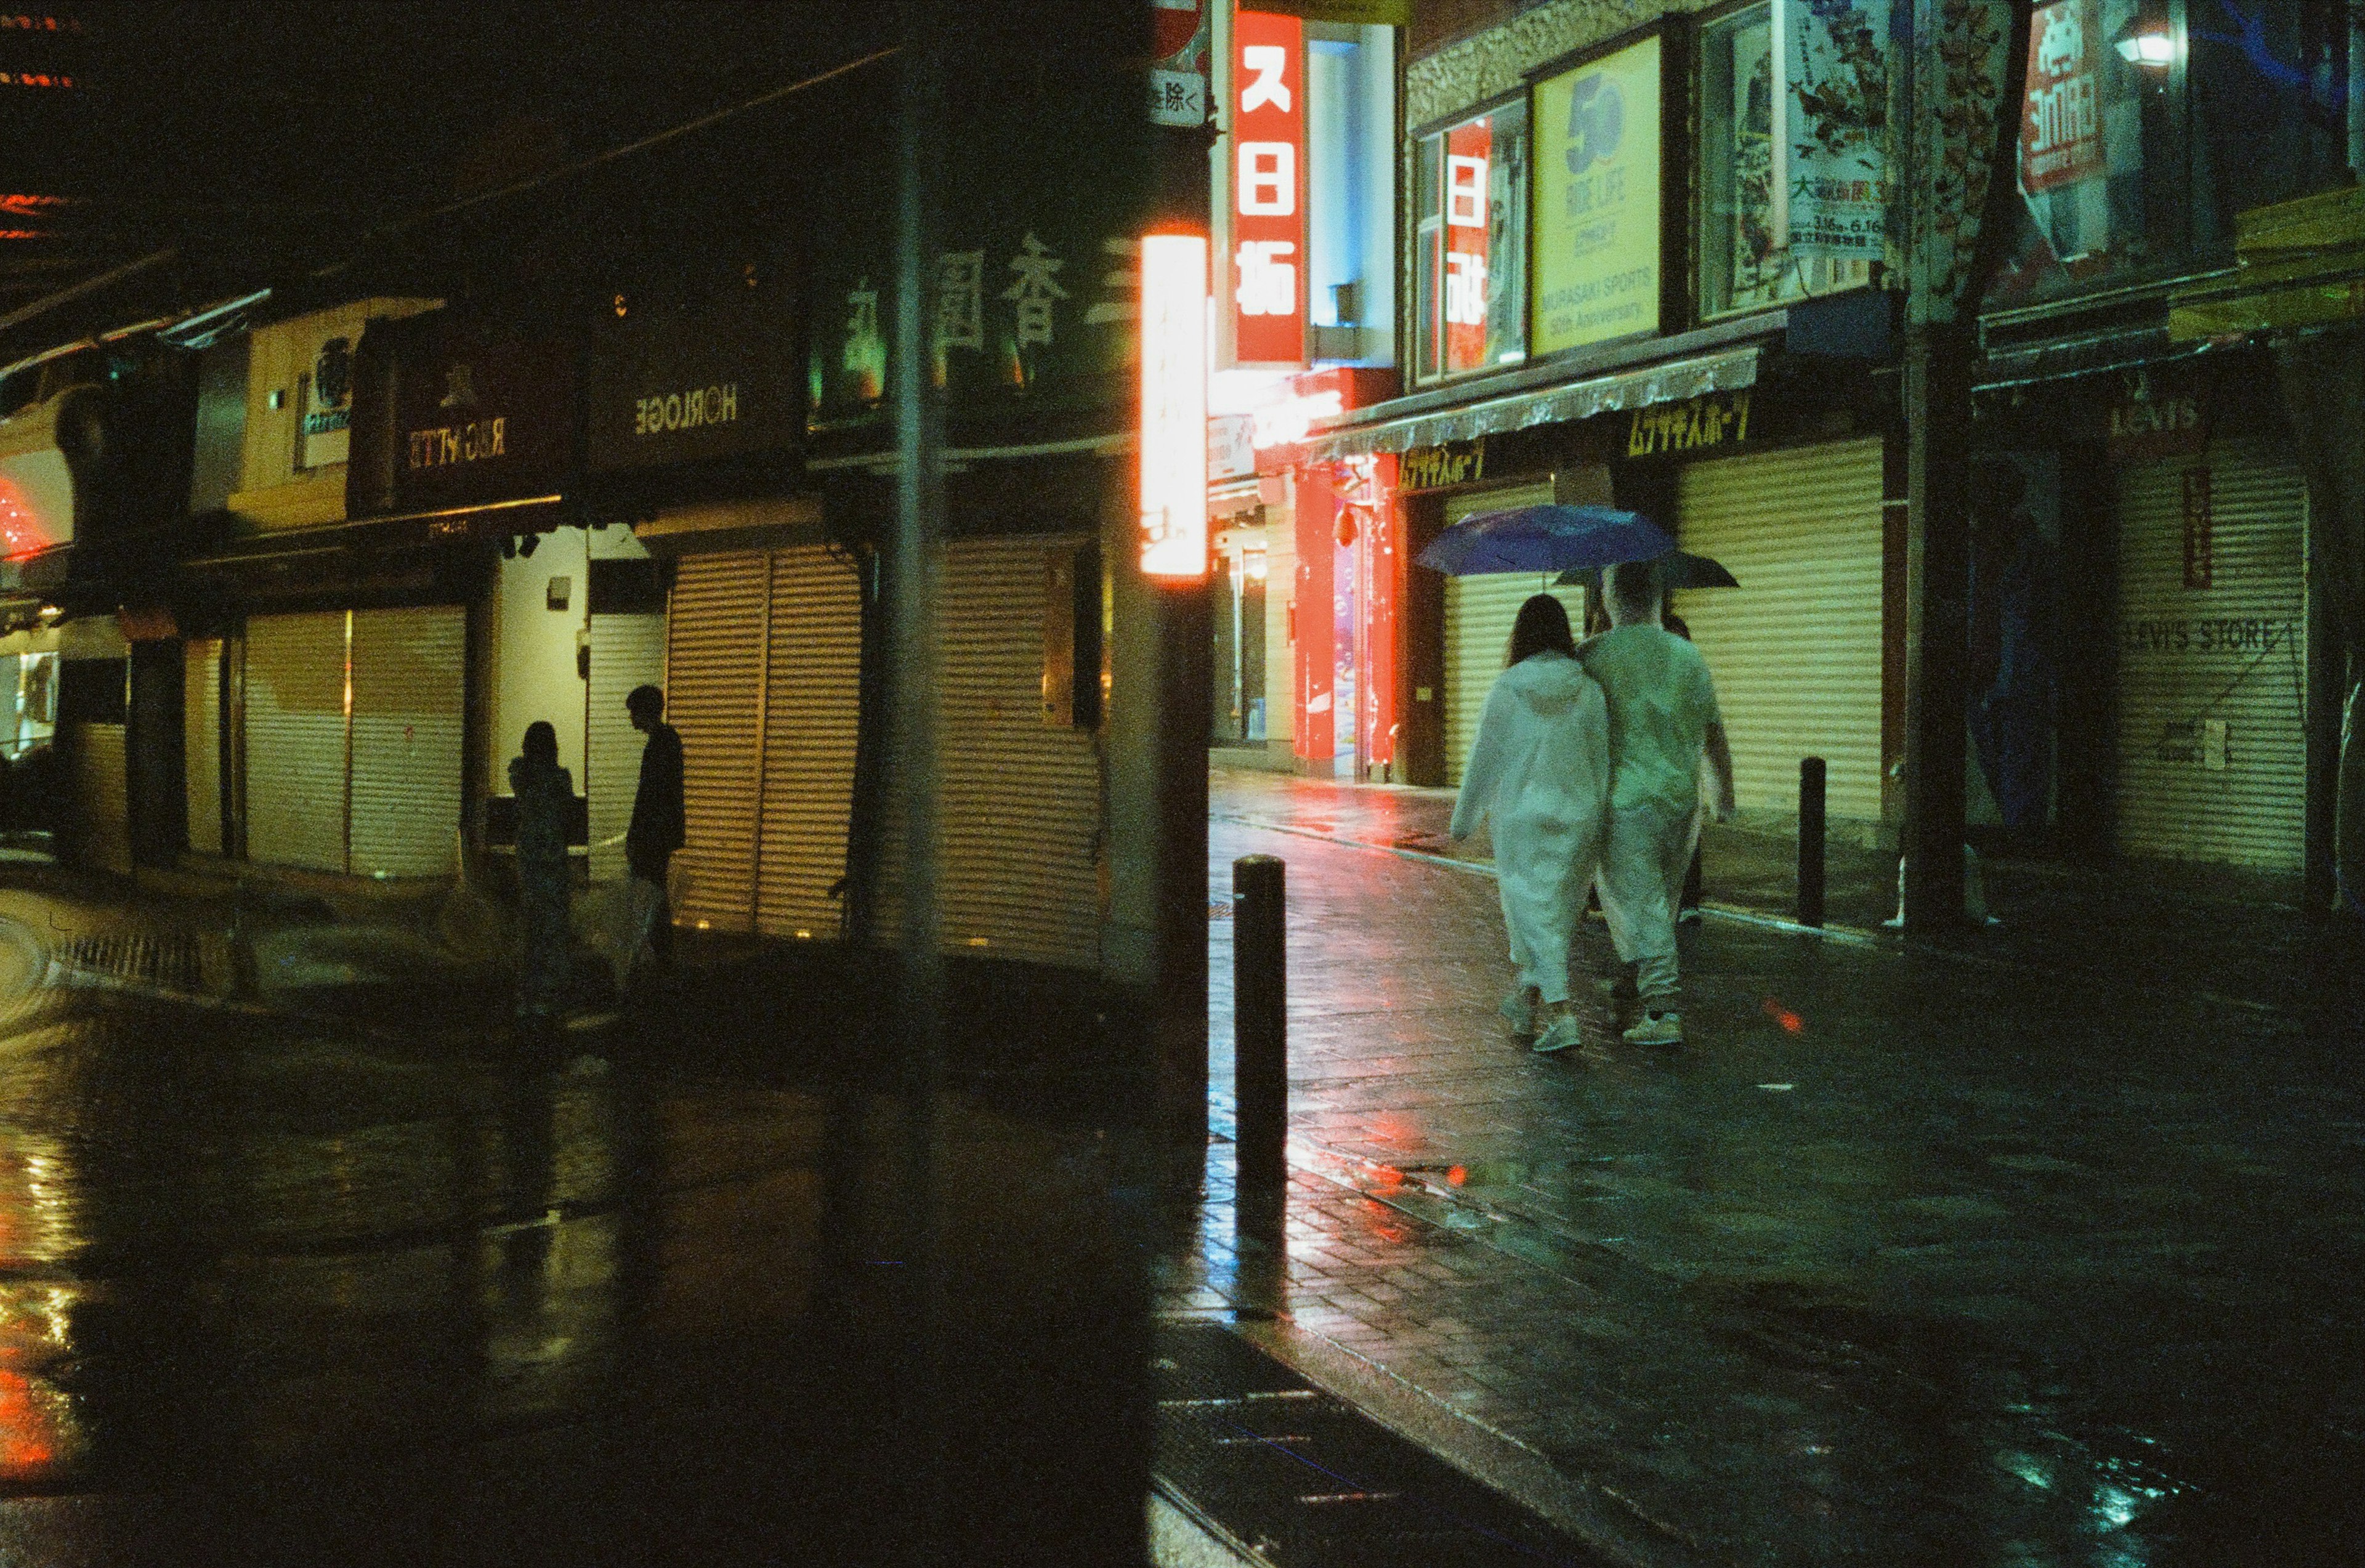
[[353, 662]]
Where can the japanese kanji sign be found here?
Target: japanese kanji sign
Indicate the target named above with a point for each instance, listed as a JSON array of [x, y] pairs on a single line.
[[1268, 260]]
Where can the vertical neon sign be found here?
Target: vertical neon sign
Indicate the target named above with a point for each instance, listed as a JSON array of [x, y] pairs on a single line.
[[1174, 406], [1268, 260]]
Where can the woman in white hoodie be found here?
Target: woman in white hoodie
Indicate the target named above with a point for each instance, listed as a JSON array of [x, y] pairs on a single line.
[[1540, 769]]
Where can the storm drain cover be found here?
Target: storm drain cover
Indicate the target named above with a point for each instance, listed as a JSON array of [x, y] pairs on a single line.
[[1305, 1479]]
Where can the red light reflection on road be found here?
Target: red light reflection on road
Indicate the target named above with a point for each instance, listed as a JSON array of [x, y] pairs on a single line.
[[1790, 1022], [27, 1439]]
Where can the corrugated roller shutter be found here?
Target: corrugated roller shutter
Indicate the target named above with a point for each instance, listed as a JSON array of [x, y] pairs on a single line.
[[809, 736], [201, 741], [1795, 650], [2212, 746], [1478, 616], [100, 803], [714, 673], [1021, 804], [627, 651], [409, 691], [296, 740]]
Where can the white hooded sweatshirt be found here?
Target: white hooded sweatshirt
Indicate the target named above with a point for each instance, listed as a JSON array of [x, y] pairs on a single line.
[[1540, 769]]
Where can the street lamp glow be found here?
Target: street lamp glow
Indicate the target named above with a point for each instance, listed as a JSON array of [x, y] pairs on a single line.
[[1174, 406], [2153, 49]]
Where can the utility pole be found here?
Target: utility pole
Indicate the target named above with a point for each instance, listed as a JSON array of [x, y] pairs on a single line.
[[1964, 64]]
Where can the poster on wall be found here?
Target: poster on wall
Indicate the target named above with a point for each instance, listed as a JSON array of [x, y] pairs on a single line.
[[1839, 181], [1597, 195]]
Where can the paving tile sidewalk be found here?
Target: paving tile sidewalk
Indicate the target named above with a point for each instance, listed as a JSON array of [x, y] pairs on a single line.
[[1916, 1256]]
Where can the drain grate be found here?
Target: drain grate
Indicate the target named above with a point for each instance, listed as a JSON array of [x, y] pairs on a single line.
[[1306, 1480], [169, 962]]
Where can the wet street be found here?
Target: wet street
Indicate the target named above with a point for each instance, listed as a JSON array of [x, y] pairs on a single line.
[[1970, 1257], [367, 1283]]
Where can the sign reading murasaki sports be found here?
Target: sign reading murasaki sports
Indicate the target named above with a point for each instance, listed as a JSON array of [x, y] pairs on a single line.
[[1597, 201]]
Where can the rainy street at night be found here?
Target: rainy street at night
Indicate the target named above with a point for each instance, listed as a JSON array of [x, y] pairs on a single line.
[[1182, 784]]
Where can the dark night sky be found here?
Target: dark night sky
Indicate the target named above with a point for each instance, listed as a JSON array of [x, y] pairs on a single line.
[[254, 137]]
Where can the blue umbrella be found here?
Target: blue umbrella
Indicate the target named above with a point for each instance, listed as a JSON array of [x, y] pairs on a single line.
[[1681, 570], [1545, 539]]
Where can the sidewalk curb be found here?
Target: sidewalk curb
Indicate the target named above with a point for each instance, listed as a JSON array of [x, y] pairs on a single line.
[[1494, 1458]]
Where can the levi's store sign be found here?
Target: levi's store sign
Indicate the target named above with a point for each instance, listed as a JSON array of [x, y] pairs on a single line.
[[1268, 260]]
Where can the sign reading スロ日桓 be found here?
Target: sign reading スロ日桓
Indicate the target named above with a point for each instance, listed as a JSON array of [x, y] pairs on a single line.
[[1597, 201]]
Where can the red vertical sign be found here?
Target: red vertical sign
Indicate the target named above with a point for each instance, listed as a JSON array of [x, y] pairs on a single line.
[[1268, 260], [1469, 158], [2061, 125]]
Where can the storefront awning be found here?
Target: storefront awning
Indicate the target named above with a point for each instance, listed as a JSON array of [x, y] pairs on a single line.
[[1728, 370]]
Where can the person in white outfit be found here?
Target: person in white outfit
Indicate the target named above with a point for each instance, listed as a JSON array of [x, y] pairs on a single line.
[[1539, 769], [1663, 717]]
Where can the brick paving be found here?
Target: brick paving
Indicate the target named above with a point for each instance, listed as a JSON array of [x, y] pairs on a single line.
[[1913, 1257]]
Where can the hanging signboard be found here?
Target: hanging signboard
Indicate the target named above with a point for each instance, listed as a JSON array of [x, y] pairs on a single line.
[[1268, 260], [447, 414], [2061, 133], [325, 434], [1597, 200], [704, 381], [1838, 179]]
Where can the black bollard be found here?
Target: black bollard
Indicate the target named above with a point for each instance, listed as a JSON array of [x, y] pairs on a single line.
[[1260, 1039], [1811, 841]]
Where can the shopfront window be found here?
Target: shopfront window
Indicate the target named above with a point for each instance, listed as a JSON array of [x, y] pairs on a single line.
[[2150, 124], [1795, 162], [1470, 266]]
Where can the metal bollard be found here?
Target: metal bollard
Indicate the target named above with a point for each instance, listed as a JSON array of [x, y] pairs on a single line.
[[1811, 841], [1260, 1038]]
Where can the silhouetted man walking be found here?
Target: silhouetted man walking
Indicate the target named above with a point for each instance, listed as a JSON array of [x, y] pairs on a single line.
[[657, 828]]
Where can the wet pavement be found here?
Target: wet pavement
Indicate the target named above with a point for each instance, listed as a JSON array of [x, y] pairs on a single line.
[[329, 1264], [2038, 1247]]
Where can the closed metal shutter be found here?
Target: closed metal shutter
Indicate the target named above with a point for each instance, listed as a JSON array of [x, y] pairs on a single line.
[[715, 677], [1795, 650], [201, 741], [100, 791], [627, 651], [409, 691], [1020, 808], [1478, 616], [296, 740], [2212, 732], [813, 709]]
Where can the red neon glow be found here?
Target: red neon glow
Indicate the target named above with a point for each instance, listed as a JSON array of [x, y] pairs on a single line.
[[1174, 406], [1268, 260], [22, 533], [1469, 159]]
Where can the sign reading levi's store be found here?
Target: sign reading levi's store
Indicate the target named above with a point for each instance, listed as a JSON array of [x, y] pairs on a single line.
[[473, 418], [679, 386]]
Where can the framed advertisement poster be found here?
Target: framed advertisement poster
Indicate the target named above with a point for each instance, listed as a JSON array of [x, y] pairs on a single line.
[[1598, 235]]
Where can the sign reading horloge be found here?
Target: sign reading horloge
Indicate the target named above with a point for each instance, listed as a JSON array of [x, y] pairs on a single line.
[[710, 380]]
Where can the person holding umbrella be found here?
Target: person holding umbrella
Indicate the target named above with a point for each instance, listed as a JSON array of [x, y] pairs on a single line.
[[1662, 716], [1539, 771]]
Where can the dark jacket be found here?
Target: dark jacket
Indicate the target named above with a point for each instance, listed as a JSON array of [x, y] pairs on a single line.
[[656, 804], [543, 794]]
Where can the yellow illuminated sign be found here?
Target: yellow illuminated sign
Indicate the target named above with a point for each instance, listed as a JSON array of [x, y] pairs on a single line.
[[1174, 406], [1597, 201]]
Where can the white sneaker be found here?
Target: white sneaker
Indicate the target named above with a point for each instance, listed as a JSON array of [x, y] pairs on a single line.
[[1656, 1028], [1559, 1038]]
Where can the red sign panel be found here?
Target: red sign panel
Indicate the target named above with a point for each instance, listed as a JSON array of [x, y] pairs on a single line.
[[2061, 130], [1268, 260], [1469, 159]]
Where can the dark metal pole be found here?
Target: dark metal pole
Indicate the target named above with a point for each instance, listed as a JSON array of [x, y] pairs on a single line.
[[1811, 841], [1261, 1038], [912, 633]]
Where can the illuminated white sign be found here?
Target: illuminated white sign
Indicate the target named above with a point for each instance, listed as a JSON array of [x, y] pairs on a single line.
[[1174, 406]]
